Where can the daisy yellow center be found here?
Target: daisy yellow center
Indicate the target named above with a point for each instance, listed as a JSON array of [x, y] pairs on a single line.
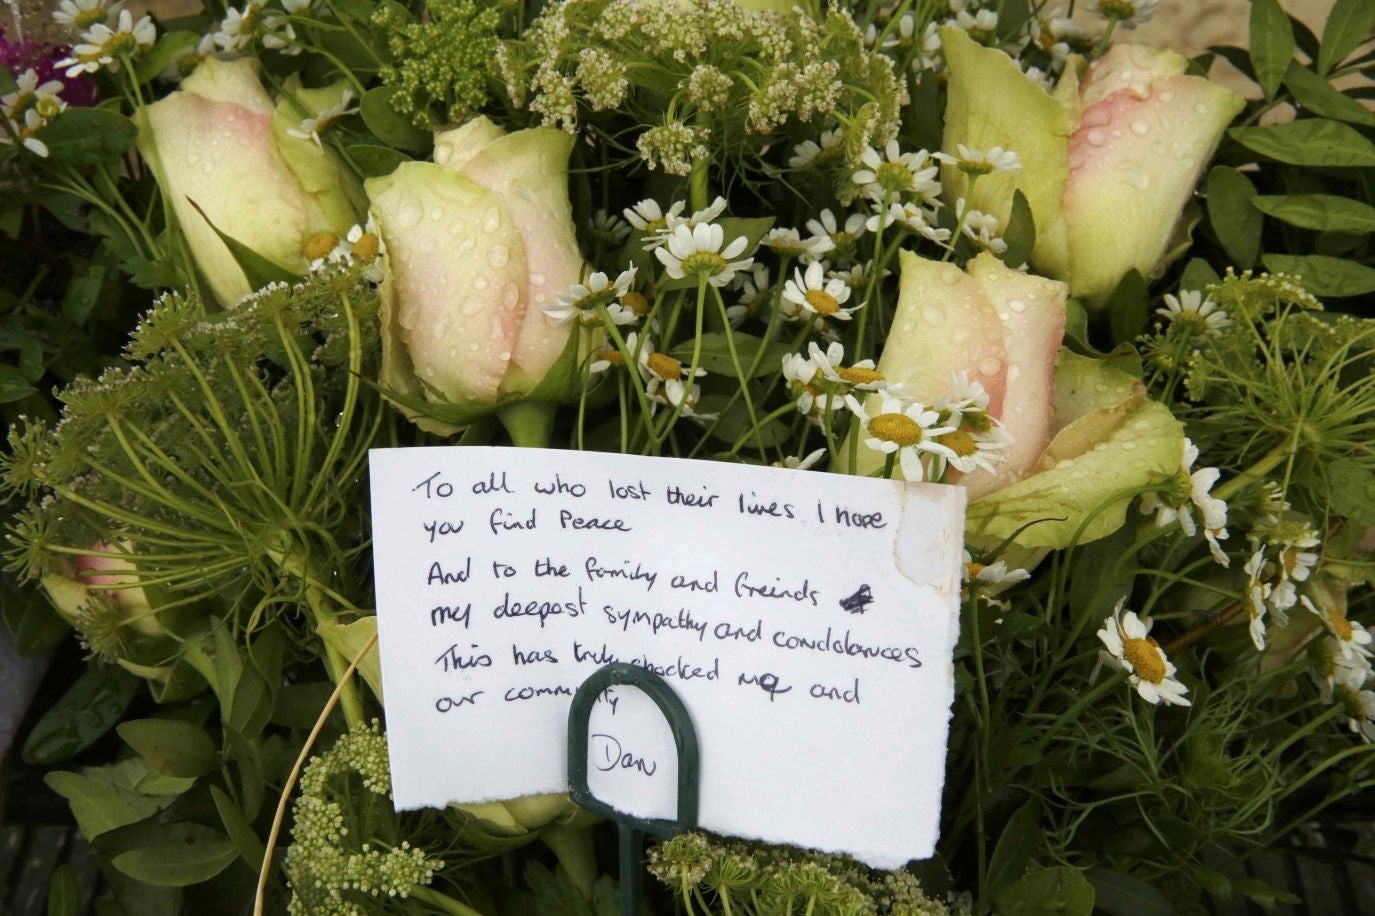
[[613, 357], [119, 44], [822, 302], [664, 366], [978, 421], [319, 245], [1289, 560], [896, 427], [1145, 657], [704, 262], [636, 302], [893, 176], [959, 442], [366, 248], [974, 569], [975, 167], [1117, 9], [857, 376], [1341, 626], [48, 107], [87, 18]]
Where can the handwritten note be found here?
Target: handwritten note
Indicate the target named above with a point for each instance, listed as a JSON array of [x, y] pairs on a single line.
[[806, 620]]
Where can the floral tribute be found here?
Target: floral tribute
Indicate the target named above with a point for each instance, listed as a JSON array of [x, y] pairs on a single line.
[[995, 245]]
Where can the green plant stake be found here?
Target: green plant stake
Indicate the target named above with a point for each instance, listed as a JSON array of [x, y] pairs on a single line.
[[632, 828]]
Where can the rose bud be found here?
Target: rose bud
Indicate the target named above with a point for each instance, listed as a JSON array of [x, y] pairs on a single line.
[[221, 143]]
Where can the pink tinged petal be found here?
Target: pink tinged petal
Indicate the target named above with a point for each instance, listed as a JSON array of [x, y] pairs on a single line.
[[457, 273], [1031, 311], [944, 323], [528, 171], [211, 142], [1133, 164]]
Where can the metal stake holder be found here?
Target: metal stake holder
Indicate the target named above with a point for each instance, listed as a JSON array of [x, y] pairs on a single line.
[[632, 829]]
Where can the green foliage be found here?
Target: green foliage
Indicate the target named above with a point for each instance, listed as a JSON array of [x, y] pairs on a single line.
[[443, 64]]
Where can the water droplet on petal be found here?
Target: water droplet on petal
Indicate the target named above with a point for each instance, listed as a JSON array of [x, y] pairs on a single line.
[[990, 366], [1097, 138], [1166, 96], [1140, 128], [498, 255], [1017, 305], [437, 214], [480, 283], [951, 275], [934, 315], [408, 214]]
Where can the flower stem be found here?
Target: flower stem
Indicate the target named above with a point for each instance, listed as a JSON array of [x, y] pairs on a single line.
[[529, 423]]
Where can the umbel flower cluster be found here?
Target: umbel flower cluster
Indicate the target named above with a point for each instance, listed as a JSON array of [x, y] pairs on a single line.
[[993, 245]]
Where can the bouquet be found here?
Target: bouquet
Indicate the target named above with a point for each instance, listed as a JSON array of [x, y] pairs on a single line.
[[995, 245]]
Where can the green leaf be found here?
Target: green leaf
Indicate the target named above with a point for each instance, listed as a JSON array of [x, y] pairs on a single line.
[[1020, 235], [86, 712], [1351, 490], [82, 293], [88, 136], [36, 627], [237, 826], [1324, 212], [1272, 44], [169, 46], [1325, 276], [1234, 221], [105, 798], [348, 640], [1120, 894], [1128, 308], [170, 746], [735, 423], [62, 892], [1318, 96], [715, 355], [1048, 892], [1348, 27], [1198, 274], [375, 160], [1016, 844], [1311, 141], [178, 864], [388, 124], [13, 385], [258, 269]]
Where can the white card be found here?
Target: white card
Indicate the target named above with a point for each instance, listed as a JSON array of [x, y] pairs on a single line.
[[806, 620]]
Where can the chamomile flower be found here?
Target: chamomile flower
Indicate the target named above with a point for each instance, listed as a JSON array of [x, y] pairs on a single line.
[[702, 251], [608, 229], [819, 294], [980, 443], [102, 46], [651, 220], [82, 14], [842, 236], [1130, 13], [857, 276], [996, 573], [794, 463], [310, 128], [1191, 491], [963, 395], [790, 243], [978, 162], [809, 153], [29, 93], [1351, 637], [1334, 666], [894, 174], [664, 375], [581, 299], [982, 26], [981, 228], [908, 429], [1359, 709], [24, 130], [238, 27], [912, 216], [756, 293], [1191, 310], [862, 376], [812, 400], [1129, 648]]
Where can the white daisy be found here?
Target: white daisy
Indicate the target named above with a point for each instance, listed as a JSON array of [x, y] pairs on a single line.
[[862, 376], [756, 293], [699, 251], [1192, 310], [794, 463], [979, 227], [102, 46], [1129, 648], [857, 276], [581, 299], [818, 294], [32, 123], [981, 26], [1352, 638], [995, 573], [28, 93], [310, 127], [908, 428], [790, 243], [919, 219], [841, 236], [1130, 13], [609, 229], [664, 376], [237, 28], [978, 162], [651, 220], [82, 14], [894, 174], [1191, 491], [811, 399], [809, 153]]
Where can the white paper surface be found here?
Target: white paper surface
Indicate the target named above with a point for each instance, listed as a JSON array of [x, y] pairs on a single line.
[[506, 577]]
